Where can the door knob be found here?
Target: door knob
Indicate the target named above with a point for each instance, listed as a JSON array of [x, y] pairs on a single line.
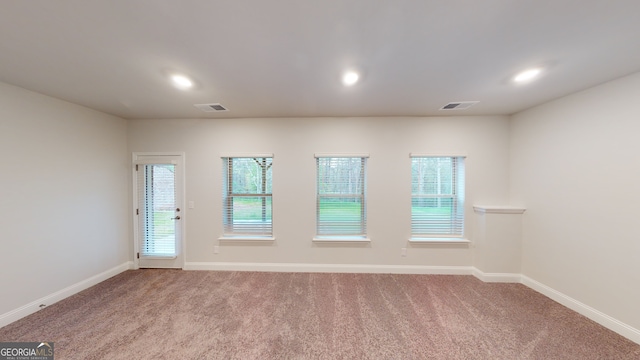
[[176, 218]]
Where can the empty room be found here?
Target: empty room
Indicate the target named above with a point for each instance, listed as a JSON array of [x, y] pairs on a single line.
[[332, 179]]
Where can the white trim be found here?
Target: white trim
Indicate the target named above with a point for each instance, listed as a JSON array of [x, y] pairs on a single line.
[[437, 155], [158, 153], [601, 318], [497, 277], [482, 209], [241, 238], [329, 268], [32, 307], [134, 216], [341, 239], [246, 155], [340, 155], [155, 160], [428, 240], [158, 156]]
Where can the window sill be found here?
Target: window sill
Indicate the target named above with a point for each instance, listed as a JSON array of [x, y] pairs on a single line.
[[246, 238], [158, 257], [439, 241], [341, 239]]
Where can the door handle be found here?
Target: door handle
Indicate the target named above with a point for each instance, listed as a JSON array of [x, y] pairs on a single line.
[[176, 218]]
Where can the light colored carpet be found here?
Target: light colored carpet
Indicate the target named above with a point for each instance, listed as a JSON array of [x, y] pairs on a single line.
[[174, 314]]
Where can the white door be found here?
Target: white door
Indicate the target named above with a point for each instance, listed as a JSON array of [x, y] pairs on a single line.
[[158, 211]]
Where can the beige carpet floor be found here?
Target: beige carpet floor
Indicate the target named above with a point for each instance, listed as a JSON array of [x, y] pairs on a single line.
[[174, 314]]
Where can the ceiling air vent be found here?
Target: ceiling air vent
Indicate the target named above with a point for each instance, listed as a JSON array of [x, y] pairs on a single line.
[[211, 107], [459, 105]]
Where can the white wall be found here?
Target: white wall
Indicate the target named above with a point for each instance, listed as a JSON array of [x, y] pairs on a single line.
[[294, 142], [575, 166], [64, 189]]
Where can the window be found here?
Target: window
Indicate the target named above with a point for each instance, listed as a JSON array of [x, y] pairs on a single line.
[[437, 196], [341, 200], [246, 198]]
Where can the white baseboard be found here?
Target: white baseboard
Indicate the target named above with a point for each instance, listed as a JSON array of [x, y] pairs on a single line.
[[28, 309], [497, 277], [603, 319], [329, 268], [355, 268]]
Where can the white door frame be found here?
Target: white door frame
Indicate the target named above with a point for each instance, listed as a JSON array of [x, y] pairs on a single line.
[[136, 158]]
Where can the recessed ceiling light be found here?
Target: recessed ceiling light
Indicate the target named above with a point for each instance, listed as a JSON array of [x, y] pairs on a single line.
[[181, 82], [350, 77], [527, 75]]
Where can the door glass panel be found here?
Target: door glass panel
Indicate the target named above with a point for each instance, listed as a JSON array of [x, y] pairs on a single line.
[[158, 210]]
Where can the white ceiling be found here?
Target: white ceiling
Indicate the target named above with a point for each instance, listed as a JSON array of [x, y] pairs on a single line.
[[284, 58]]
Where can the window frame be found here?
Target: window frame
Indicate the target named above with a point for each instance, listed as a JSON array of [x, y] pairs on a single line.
[[321, 234], [457, 197], [230, 228]]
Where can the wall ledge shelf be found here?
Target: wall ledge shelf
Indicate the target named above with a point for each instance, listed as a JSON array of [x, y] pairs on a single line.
[[498, 209]]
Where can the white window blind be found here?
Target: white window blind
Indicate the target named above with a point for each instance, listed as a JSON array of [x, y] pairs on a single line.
[[157, 209], [247, 198], [341, 200], [437, 196]]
